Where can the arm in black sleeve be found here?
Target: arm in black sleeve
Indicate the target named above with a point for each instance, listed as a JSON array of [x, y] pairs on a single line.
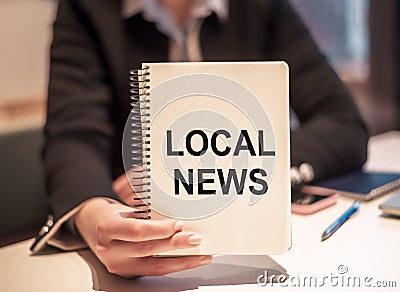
[[332, 137], [79, 131]]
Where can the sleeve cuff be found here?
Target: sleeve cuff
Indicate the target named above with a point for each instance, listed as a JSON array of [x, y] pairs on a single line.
[[61, 233]]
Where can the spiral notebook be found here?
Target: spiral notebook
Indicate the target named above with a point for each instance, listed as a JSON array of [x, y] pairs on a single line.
[[365, 186], [210, 147]]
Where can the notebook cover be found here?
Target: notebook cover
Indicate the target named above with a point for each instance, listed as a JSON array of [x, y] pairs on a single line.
[[363, 185], [209, 97]]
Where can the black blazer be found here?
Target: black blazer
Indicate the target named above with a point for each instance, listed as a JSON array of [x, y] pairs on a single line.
[[94, 48]]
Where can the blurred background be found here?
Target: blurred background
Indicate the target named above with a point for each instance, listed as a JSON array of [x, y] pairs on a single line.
[[25, 30], [359, 38]]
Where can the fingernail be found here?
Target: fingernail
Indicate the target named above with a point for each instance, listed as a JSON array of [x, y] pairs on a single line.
[[206, 260], [194, 239], [178, 225]]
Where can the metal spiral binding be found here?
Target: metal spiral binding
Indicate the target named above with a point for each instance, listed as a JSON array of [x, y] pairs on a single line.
[[385, 189], [140, 125]]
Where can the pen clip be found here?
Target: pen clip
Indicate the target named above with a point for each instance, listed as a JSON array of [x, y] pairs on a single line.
[[356, 205]]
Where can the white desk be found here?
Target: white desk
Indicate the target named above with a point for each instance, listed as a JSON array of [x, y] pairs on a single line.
[[367, 247]]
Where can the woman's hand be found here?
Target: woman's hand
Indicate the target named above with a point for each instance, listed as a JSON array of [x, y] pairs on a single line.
[[123, 189], [125, 245]]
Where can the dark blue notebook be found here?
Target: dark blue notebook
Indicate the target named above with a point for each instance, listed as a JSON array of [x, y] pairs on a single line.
[[363, 185]]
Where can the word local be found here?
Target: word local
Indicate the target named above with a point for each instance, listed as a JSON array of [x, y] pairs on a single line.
[[244, 143]]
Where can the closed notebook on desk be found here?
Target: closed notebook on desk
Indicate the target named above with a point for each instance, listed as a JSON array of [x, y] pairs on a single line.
[[361, 185], [391, 206], [214, 143]]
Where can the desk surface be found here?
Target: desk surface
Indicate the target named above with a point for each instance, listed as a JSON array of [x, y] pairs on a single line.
[[363, 252]]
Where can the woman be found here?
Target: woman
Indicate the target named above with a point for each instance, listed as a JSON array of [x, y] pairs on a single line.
[[97, 42]]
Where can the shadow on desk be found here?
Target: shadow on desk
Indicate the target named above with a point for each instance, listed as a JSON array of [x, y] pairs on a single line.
[[225, 270], [390, 216]]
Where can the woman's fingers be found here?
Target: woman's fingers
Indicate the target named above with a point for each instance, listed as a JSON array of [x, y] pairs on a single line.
[[123, 244], [116, 227], [157, 266], [179, 240], [126, 246], [123, 189], [120, 183]]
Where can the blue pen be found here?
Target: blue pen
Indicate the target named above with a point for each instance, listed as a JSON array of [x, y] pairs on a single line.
[[339, 222]]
